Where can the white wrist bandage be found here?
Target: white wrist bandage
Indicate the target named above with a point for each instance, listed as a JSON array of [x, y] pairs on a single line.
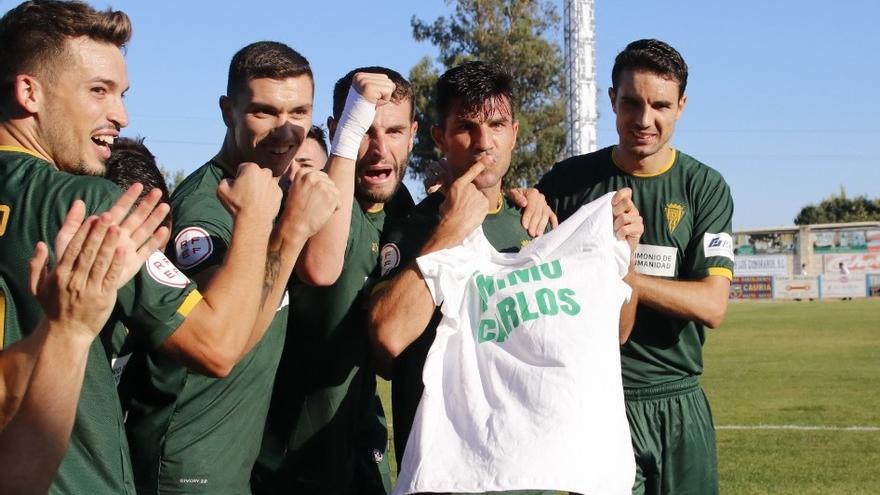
[[356, 119]]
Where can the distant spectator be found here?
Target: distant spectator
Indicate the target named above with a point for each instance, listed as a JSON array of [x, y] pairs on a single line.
[[844, 276]]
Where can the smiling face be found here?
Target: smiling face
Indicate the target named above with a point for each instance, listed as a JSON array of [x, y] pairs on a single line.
[[647, 106], [383, 153], [83, 110], [309, 155], [267, 121], [487, 136]]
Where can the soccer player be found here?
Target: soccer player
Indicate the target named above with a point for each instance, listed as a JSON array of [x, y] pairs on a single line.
[[477, 133], [325, 412], [131, 163], [684, 265], [312, 152], [41, 375], [326, 432], [181, 441], [61, 108]]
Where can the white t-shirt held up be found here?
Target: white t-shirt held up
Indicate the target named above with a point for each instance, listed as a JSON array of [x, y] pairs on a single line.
[[522, 384]]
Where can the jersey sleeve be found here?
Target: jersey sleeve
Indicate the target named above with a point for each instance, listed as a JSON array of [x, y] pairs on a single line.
[[155, 302], [401, 244], [202, 233], [710, 251], [547, 186]]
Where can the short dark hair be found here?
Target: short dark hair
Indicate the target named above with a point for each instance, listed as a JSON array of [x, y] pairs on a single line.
[[402, 89], [654, 56], [318, 134], [265, 59], [477, 86], [132, 162], [33, 38]]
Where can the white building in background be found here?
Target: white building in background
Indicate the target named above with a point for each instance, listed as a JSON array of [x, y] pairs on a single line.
[[837, 260], [581, 112], [819, 248]]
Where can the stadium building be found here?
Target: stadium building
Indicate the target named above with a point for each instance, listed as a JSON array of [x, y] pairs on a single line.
[[839, 260]]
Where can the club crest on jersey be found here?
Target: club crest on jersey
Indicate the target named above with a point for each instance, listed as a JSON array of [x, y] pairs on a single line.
[[192, 246], [674, 213], [389, 258], [163, 271], [718, 245]]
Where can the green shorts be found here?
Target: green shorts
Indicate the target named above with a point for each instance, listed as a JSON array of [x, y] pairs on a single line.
[[673, 439]]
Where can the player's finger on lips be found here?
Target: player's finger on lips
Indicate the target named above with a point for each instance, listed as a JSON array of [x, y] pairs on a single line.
[[472, 173]]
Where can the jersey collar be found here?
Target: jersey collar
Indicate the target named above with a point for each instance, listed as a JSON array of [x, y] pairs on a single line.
[[499, 206], [655, 174], [19, 149]]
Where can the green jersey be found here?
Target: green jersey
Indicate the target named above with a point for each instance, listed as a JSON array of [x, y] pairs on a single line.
[[326, 431], [687, 210], [401, 245], [191, 433], [8, 318], [34, 199]]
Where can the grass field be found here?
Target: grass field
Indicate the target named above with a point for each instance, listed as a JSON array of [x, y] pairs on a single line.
[[786, 380], [807, 363]]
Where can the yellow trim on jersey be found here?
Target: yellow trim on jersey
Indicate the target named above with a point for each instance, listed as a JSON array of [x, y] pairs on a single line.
[[500, 205], [5, 212], [655, 174], [721, 272], [19, 149], [189, 303], [2, 318], [376, 209]]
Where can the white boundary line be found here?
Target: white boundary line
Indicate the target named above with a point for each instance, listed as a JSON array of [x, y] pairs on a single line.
[[798, 427]]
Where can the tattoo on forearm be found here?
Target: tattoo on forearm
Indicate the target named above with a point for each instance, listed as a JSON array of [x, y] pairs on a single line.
[[273, 267]]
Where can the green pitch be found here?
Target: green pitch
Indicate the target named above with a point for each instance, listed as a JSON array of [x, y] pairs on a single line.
[[801, 365], [786, 380]]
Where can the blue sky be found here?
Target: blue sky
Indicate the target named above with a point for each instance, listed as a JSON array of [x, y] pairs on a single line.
[[782, 97]]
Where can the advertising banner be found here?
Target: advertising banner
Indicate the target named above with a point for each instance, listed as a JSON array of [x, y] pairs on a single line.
[[874, 284], [852, 285], [844, 241], [873, 238], [747, 266], [854, 263], [766, 243], [751, 288], [796, 287]]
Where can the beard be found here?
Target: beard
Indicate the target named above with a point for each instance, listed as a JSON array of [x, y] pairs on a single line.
[[363, 194], [378, 194], [66, 153]]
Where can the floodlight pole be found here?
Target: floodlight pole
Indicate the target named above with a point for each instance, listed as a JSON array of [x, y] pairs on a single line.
[[581, 113]]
